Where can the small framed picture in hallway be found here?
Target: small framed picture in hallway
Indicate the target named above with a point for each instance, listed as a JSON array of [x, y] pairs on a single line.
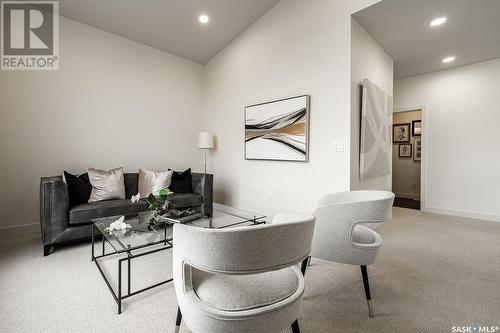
[[416, 126], [401, 133], [405, 150], [417, 146]]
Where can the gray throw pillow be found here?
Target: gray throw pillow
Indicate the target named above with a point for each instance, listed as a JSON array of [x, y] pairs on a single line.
[[106, 185]]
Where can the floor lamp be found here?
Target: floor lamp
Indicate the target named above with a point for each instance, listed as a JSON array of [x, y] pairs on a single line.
[[205, 142]]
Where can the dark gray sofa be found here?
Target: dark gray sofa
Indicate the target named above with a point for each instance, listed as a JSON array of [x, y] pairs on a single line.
[[62, 224]]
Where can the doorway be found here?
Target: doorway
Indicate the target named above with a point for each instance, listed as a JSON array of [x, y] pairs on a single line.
[[406, 158]]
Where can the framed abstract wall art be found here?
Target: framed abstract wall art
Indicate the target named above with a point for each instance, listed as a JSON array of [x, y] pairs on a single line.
[[375, 138], [401, 133], [278, 130]]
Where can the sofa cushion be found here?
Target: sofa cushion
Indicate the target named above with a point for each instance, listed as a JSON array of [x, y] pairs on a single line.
[[131, 184], [181, 200], [182, 182], [84, 213], [244, 292], [79, 188], [106, 184], [153, 181]]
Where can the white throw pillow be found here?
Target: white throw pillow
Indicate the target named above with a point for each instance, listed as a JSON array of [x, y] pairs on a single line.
[[106, 185], [153, 181]]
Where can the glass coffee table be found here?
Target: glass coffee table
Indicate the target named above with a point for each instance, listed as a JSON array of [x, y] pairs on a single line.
[[140, 240]]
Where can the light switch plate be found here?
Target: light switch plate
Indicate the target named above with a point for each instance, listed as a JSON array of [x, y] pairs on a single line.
[[338, 146]]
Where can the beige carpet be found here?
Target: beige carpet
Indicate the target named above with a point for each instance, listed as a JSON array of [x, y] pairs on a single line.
[[434, 272]]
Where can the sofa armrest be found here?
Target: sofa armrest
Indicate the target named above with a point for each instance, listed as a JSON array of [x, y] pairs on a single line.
[[203, 184], [54, 207]]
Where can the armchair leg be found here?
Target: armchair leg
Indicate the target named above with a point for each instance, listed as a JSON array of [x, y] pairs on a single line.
[[295, 327], [366, 284], [47, 249], [178, 320], [303, 267]]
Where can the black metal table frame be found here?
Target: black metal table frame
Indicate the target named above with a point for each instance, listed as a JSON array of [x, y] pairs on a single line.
[[167, 244]]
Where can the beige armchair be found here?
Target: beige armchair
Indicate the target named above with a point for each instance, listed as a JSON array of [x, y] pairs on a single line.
[[340, 235], [242, 279]]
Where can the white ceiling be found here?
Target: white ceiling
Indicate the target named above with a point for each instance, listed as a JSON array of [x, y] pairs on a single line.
[[401, 27], [170, 25]]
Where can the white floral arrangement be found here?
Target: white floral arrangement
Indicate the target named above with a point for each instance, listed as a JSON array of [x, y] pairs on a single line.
[[118, 225], [136, 198]]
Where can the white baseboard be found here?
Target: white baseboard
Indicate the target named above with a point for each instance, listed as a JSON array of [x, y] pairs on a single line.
[[479, 216], [19, 226]]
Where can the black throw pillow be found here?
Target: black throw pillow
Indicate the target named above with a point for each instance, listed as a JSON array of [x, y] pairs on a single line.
[[181, 182], [79, 188]]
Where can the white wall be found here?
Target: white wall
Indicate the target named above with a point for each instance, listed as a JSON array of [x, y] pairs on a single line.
[[461, 124], [113, 103], [369, 61], [298, 47]]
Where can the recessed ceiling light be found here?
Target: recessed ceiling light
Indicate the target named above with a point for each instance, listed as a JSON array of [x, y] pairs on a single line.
[[448, 59], [438, 21], [203, 19]]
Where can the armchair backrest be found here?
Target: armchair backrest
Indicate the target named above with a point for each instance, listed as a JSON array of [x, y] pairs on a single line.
[[244, 250], [338, 214]]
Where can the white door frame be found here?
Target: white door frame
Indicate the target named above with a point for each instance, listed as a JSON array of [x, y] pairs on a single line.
[[423, 161]]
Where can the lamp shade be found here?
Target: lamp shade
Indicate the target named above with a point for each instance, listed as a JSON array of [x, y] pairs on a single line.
[[205, 140]]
